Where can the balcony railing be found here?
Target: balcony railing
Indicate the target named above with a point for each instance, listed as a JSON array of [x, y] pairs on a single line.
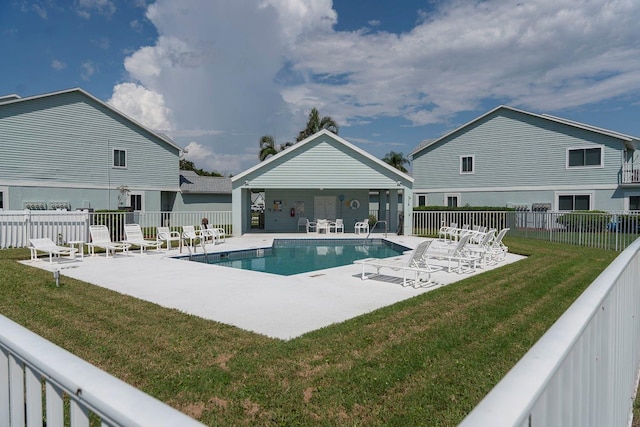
[[630, 173], [43, 384]]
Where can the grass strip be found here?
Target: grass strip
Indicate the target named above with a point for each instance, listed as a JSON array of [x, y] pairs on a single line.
[[424, 361]]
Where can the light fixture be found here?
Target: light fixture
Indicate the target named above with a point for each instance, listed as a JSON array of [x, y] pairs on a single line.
[[246, 183]]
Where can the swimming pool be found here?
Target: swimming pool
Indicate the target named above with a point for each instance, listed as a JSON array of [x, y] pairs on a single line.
[[294, 256]]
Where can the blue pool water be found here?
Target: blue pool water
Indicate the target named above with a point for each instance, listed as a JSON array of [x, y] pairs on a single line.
[[295, 256]]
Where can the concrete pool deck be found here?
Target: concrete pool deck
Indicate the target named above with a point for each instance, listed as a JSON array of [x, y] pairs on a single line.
[[281, 307]]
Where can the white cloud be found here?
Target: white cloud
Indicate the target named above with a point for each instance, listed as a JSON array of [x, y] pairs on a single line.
[[84, 8], [58, 65], [142, 105], [256, 67], [210, 160], [87, 70]]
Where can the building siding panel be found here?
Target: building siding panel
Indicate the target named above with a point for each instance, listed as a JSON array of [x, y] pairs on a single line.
[[316, 166], [512, 149], [68, 138]]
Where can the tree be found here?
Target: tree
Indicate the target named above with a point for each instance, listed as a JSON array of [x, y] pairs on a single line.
[[188, 165], [316, 124], [268, 147], [397, 160]]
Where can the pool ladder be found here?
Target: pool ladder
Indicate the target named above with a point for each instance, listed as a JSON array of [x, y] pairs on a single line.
[[204, 250], [386, 228]]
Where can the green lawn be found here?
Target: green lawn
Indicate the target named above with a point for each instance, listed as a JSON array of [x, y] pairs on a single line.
[[425, 361]]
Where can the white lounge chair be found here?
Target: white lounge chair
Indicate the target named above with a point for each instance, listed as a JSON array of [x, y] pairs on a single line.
[[101, 238], [48, 246], [456, 253], [498, 251], [415, 267], [165, 235], [136, 237], [362, 227], [338, 224]]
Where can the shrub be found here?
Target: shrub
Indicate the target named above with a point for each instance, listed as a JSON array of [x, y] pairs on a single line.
[[589, 221]]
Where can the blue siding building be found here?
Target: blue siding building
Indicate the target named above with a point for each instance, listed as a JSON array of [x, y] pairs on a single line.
[[510, 157], [70, 150]]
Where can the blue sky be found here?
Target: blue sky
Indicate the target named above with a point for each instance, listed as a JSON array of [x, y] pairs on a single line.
[[216, 75]]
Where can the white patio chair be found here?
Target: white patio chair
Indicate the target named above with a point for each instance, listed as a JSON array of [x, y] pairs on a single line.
[[416, 267], [101, 238], [362, 227], [210, 232], [322, 224], [338, 224], [48, 246], [165, 235], [304, 222], [136, 237], [189, 234]]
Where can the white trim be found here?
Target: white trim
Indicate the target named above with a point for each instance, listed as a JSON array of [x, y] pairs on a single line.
[[518, 188], [584, 147], [456, 195], [126, 158], [473, 164], [136, 193], [557, 194]]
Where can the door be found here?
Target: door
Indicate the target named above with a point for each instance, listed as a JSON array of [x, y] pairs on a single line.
[[324, 207]]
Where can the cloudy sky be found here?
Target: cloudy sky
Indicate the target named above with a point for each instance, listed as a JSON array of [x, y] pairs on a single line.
[[216, 75]]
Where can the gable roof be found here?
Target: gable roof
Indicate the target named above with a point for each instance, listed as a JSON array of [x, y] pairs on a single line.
[[300, 146], [626, 139], [14, 99], [191, 182]]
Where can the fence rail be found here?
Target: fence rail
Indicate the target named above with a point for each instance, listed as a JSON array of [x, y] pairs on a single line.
[[606, 230], [584, 370], [17, 227], [43, 384]]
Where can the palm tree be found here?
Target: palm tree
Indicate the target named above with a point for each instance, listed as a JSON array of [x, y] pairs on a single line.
[[397, 160], [316, 124], [268, 147]]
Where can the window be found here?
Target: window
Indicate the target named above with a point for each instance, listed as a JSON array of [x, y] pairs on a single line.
[[452, 200], [466, 164], [574, 202], [634, 203], [584, 157], [135, 201], [4, 199], [422, 200], [119, 159]]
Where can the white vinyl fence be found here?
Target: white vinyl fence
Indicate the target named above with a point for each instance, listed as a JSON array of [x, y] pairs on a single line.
[[17, 227], [584, 370], [606, 230], [43, 384]]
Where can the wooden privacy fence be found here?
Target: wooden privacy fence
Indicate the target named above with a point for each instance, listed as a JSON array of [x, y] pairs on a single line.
[[17, 227]]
